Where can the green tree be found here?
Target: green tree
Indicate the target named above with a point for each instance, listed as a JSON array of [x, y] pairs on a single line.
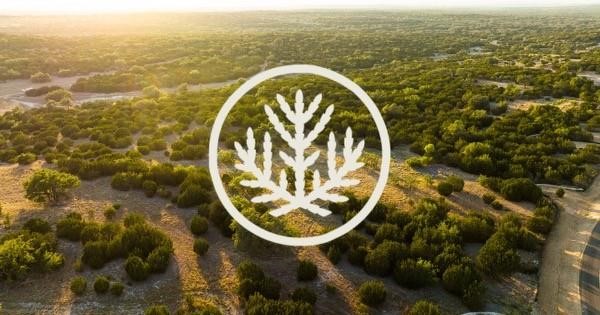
[[49, 185]]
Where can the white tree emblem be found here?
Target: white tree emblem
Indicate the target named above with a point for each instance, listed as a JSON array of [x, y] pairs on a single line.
[[300, 163]]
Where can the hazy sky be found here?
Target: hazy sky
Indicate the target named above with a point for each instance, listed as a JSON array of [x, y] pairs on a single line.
[[95, 6]]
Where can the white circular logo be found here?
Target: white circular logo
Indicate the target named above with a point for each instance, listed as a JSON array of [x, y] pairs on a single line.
[[321, 191]]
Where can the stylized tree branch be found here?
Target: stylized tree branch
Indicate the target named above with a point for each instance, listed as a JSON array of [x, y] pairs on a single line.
[[299, 162]]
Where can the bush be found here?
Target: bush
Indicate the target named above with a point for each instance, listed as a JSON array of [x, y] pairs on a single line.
[[424, 307], [192, 196], [101, 285], [95, 254], [560, 192], [444, 188], [156, 310], [199, 225], [388, 231], [136, 268], [26, 158], [497, 205], [37, 225], [249, 270], [356, 256], [110, 213], [457, 278], [380, 261], [457, 183], [201, 246], [304, 295], [414, 274], [49, 185], [116, 288], [259, 305], [158, 259], [521, 189], [78, 285], [133, 218], [70, 227], [334, 254], [150, 187], [497, 256], [372, 292], [488, 198], [306, 271], [540, 224]]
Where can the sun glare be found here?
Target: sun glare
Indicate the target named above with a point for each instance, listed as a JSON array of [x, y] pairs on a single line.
[[103, 6]]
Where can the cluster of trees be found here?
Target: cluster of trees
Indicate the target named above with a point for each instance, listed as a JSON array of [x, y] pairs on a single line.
[[262, 293], [31, 249], [423, 247], [146, 249]]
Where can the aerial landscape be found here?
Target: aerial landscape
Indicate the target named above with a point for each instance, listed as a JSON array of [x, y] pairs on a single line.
[[492, 201]]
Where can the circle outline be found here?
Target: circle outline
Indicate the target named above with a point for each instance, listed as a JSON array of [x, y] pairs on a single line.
[[214, 146]]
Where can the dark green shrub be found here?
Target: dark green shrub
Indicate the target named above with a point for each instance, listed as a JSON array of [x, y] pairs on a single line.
[[497, 256], [414, 274], [306, 271], [199, 225], [156, 310], [110, 213], [304, 295], [201, 246], [457, 278], [193, 195], [133, 219], [136, 268], [424, 307], [37, 225], [497, 205], [372, 292], [101, 285], [334, 254], [560, 192], [259, 305], [116, 288], [488, 198], [381, 260], [150, 187], [539, 224], [444, 188], [90, 232], [521, 189], [249, 270], [95, 254], [387, 231], [356, 256], [456, 182], [70, 228], [158, 259], [78, 285]]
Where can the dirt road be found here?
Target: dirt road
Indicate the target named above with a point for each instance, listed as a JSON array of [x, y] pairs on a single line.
[[565, 256]]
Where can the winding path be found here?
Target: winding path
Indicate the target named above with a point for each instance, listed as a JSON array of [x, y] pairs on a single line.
[[571, 257]]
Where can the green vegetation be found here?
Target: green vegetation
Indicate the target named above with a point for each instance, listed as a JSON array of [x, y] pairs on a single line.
[[451, 97], [101, 285], [78, 285], [307, 271], [147, 249], [424, 307], [31, 249], [201, 246], [49, 185], [372, 292]]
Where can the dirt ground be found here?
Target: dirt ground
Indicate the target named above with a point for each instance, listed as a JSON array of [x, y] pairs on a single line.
[[559, 291]]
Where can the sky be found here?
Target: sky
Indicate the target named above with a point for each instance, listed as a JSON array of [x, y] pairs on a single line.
[[112, 6]]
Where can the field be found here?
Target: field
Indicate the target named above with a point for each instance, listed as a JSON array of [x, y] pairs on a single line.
[[490, 204]]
